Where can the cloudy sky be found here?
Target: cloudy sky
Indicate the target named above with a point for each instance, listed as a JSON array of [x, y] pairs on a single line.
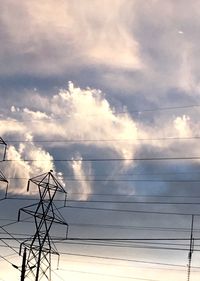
[[105, 94]]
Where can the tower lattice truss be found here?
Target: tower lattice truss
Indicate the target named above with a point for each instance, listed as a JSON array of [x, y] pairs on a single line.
[[3, 180], [37, 250]]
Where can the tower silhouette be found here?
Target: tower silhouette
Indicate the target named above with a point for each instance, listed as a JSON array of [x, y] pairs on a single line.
[[37, 250], [3, 179]]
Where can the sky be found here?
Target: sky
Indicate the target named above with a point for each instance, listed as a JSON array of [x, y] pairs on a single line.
[[106, 95]]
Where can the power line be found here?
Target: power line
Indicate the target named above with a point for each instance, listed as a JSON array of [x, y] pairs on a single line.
[[151, 246], [111, 195], [113, 201], [103, 140], [141, 245], [109, 275], [164, 108], [126, 265], [123, 180], [131, 211], [135, 247], [126, 242], [114, 112], [108, 239], [123, 259], [134, 202], [128, 239], [106, 159], [5, 259], [13, 238], [149, 228], [53, 271], [127, 174]]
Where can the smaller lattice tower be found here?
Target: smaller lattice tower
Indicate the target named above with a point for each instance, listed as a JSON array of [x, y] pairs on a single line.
[[191, 250], [37, 250], [3, 179], [4, 145]]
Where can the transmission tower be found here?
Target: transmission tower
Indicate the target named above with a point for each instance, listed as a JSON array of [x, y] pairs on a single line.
[[2, 158], [190, 250], [4, 145], [37, 250], [5, 181]]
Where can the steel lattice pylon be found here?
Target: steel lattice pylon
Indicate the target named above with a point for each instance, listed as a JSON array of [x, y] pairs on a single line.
[[4, 144], [4, 180], [39, 248], [3, 156]]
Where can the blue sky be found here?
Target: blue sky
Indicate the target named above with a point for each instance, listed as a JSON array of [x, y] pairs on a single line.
[[110, 79]]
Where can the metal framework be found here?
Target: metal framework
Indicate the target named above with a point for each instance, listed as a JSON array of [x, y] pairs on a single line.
[[5, 181], [3, 156], [191, 250], [37, 250], [4, 144]]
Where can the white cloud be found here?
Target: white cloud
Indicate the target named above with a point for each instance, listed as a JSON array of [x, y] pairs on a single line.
[[35, 114], [157, 45], [24, 170], [186, 79], [84, 186], [91, 115], [72, 114], [80, 114], [182, 126], [11, 125], [76, 114], [66, 33]]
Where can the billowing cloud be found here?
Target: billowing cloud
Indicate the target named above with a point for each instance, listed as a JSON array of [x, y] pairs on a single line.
[[82, 122], [182, 126], [84, 188], [74, 116], [19, 171]]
